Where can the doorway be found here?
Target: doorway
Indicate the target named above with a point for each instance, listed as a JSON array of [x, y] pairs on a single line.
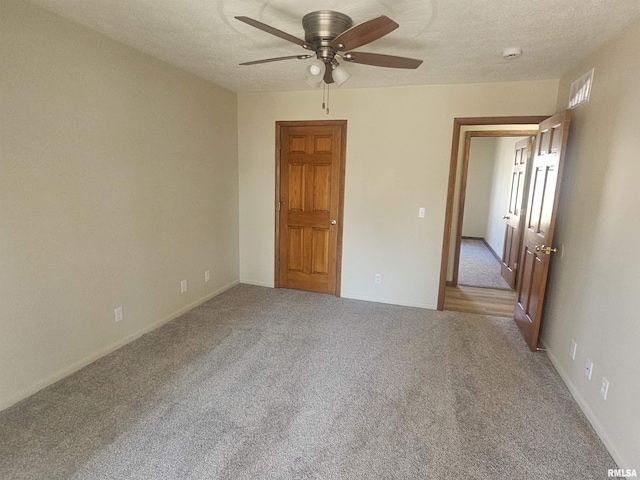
[[310, 167], [484, 237]]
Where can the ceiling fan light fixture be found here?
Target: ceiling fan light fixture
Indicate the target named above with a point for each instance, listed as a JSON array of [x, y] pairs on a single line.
[[331, 35], [340, 74], [315, 73]]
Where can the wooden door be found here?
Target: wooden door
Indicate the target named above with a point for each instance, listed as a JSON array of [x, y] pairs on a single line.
[[310, 198], [544, 187], [513, 217]]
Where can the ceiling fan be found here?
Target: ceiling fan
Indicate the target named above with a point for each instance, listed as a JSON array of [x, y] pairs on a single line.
[[331, 36]]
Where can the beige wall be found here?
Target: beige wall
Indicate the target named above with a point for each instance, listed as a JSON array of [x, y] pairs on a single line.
[[118, 179], [595, 285], [478, 191], [398, 155]]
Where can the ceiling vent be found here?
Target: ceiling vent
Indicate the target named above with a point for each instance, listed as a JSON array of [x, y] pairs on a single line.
[[581, 90]]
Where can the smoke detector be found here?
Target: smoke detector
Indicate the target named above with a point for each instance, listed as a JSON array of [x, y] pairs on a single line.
[[510, 53]]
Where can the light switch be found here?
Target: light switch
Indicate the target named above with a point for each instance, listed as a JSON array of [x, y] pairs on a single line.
[[421, 212]]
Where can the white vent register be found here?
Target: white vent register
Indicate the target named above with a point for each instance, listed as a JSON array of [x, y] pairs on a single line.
[[581, 89]]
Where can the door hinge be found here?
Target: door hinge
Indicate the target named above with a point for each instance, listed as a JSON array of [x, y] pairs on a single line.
[[515, 266], [279, 205]]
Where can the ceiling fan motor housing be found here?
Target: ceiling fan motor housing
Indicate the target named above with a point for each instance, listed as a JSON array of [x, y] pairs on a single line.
[[321, 27]]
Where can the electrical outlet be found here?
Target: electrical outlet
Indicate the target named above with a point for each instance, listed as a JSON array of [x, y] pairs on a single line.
[[119, 316], [574, 347], [588, 369], [206, 276], [183, 286], [378, 278], [604, 388]]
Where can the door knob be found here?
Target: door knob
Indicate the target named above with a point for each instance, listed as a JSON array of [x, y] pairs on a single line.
[[333, 222], [506, 217], [545, 249]]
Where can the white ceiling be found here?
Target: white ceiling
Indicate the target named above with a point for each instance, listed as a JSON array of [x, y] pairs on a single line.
[[460, 41]]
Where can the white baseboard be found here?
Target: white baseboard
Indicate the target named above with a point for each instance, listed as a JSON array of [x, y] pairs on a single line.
[[256, 283], [401, 303], [586, 409], [74, 367]]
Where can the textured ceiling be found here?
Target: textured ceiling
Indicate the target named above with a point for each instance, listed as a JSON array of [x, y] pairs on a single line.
[[460, 41]]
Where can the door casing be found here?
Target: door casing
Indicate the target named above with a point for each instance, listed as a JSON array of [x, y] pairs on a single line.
[[458, 123]]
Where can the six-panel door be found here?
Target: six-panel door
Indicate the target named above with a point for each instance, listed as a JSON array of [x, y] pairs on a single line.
[[546, 174], [310, 184]]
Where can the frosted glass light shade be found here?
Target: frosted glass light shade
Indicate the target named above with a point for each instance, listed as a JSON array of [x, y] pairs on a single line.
[[315, 73], [340, 75]]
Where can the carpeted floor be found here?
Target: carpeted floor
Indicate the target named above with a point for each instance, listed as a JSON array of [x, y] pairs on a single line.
[[263, 383], [478, 267]]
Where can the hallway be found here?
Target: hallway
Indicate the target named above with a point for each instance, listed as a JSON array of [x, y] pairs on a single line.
[[481, 289]]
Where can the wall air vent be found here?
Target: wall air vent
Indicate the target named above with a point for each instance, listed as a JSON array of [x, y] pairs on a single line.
[[581, 89]]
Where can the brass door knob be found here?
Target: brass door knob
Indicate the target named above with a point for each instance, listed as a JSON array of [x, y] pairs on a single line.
[[333, 222]]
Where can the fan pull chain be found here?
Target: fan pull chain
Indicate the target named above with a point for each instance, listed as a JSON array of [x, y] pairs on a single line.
[[327, 99]]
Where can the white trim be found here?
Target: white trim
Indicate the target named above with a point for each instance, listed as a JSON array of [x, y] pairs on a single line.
[[401, 303], [256, 283], [584, 406], [65, 372]]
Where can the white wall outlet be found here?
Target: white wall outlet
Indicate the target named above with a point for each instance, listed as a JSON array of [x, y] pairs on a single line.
[[604, 388], [421, 212], [119, 316], [183, 286], [574, 347], [206, 276], [588, 369], [378, 278]]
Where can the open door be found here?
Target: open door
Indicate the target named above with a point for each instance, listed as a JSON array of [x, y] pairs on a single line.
[[512, 240], [544, 188]]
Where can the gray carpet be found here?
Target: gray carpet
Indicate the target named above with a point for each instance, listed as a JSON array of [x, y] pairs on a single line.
[[261, 383], [478, 266]]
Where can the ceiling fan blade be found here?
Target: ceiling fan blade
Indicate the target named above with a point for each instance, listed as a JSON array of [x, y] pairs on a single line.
[[364, 33], [378, 60], [274, 31], [267, 60], [328, 75]]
